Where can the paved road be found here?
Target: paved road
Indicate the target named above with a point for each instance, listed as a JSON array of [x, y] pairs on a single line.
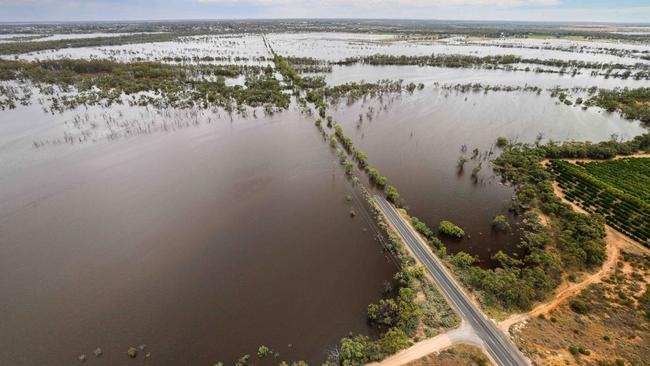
[[502, 351]]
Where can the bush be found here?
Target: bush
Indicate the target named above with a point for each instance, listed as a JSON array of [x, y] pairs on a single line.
[[394, 340], [243, 360], [392, 194], [359, 350], [580, 306], [500, 223], [362, 158], [263, 351], [450, 229], [422, 228], [376, 178], [401, 312]]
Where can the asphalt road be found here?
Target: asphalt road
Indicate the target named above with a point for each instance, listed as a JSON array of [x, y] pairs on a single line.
[[500, 348]]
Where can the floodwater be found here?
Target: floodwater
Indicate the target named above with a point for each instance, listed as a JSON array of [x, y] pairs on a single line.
[[416, 141], [339, 46], [240, 49], [446, 75], [207, 236], [56, 37], [202, 243]]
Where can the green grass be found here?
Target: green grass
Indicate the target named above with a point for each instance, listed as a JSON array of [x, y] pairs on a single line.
[[617, 189]]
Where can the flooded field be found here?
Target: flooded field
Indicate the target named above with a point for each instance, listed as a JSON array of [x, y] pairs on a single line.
[[245, 49], [202, 243], [444, 75], [339, 46], [416, 141], [54, 37]]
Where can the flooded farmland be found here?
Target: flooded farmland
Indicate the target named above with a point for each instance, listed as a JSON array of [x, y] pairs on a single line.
[[199, 217], [185, 241], [451, 76]]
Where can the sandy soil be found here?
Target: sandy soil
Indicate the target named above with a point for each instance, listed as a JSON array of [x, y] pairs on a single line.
[[457, 355], [615, 243], [461, 335]]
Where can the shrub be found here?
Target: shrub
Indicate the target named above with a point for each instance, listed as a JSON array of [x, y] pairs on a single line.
[[450, 229], [392, 194], [394, 340], [376, 178], [422, 228], [435, 243], [358, 350], [243, 360], [263, 351], [500, 223], [580, 306], [361, 157]]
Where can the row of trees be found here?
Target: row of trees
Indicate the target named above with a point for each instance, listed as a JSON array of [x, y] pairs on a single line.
[[601, 150], [10, 48], [399, 314], [469, 61]]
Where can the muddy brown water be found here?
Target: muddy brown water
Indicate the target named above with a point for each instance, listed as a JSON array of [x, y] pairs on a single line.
[[416, 141], [202, 243]]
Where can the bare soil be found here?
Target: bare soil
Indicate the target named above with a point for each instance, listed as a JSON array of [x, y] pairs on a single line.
[[460, 355]]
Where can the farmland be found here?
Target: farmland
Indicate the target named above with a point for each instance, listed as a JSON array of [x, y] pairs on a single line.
[[616, 189]]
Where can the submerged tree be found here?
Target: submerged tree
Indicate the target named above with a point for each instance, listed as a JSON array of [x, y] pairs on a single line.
[[500, 223]]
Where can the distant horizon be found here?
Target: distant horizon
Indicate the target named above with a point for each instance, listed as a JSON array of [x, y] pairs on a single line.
[[65, 11], [459, 20]]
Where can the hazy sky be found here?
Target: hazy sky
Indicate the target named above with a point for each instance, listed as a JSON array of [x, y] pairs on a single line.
[[543, 10]]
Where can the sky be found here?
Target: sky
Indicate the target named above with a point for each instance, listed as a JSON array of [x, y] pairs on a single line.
[[633, 11]]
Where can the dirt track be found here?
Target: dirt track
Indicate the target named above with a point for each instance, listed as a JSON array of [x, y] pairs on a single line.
[[615, 242]]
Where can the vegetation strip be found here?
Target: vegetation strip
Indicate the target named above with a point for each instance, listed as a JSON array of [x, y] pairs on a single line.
[[637, 71], [92, 82]]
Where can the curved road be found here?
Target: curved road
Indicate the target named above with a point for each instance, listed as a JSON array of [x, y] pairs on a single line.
[[502, 351]]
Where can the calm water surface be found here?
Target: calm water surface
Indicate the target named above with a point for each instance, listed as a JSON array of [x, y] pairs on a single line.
[[202, 243], [416, 140]]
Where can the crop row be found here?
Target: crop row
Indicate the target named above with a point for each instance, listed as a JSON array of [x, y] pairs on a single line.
[[631, 175], [624, 211]]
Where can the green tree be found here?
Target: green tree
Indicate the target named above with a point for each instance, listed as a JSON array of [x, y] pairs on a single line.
[[450, 229], [500, 223], [392, 194], [394, 340]]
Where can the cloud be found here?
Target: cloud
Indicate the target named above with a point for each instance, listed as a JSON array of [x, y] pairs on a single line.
[[384, 3], [523, 10]]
